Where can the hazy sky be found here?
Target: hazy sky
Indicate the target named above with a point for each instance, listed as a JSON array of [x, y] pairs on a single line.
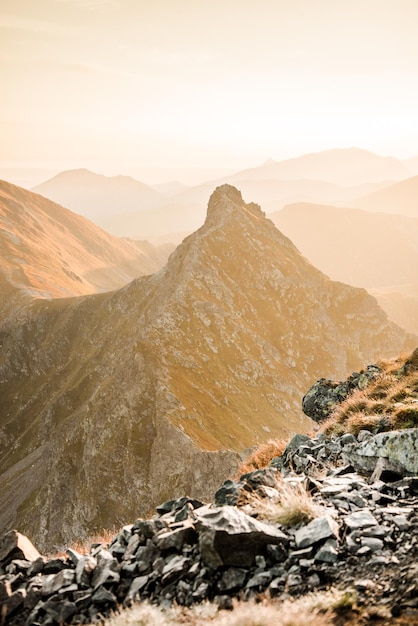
[[117, 84]]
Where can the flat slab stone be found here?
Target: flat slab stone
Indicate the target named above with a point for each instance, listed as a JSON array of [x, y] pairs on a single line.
[[320, 528], [360, 519], [227, 536], [399, 447]]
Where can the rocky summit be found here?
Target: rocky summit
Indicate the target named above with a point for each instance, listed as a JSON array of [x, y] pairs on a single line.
[[112, 403], [360, 537]]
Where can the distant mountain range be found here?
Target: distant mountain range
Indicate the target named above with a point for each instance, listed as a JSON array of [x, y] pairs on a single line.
[[400, 198], [96, 196], [126, 207], [357, 247], [112, 403], [345, 167]]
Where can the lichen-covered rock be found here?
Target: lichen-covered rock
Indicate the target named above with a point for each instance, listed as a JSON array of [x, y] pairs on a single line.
[[399, 447]]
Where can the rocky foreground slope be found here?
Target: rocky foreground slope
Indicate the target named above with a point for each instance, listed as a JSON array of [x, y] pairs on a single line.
[[354, 533], [114, 402]]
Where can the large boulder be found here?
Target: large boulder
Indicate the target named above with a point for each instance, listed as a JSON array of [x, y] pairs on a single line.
[[227, 536]]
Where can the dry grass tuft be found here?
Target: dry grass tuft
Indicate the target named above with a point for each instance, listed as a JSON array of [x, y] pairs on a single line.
[[314, 609], [293, 505], [262, 456], [83, 547], [389, 402]]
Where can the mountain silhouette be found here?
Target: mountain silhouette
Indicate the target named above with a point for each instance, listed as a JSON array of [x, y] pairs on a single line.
[[96, 196], [400, 198], [344, 166]]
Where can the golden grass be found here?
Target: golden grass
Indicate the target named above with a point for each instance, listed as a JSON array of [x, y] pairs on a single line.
[[293, 505], [83, 547], [317, 609], [389, 402], [262, 456]]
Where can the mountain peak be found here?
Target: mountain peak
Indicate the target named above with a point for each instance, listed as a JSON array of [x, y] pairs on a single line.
[[226, 201]]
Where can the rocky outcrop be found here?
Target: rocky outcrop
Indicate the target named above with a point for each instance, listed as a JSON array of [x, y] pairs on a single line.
[[155, 389], [325, 395], [363, 540]]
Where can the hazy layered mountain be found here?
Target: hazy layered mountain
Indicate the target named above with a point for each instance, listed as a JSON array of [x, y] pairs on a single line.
[[412, 165], [378, 251], [184, 212], [171, 188], [346, 166], [96, 196], [112, 403], [400, 198], [358, 247], [401, 304], [126, 207], [47, 251]]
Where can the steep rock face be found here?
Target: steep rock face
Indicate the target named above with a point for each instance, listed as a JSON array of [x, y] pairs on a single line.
[[113, 402]]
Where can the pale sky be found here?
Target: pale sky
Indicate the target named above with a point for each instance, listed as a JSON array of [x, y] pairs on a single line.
[[119, 84]]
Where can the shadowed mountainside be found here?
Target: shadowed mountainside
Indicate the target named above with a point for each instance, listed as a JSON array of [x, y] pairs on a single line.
[[112, 403]]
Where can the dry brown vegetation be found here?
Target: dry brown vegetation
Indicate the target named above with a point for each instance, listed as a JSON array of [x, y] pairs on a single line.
[[314, 609], [83, 547], [291, 505], [262, 455], [389, 402]]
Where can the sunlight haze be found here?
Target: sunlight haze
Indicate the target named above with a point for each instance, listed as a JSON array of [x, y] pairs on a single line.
[[122, 86]]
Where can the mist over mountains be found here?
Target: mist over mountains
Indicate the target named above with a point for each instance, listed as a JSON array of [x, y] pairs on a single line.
[[126, 207], [114, 402], [96, 196], [343, 179]]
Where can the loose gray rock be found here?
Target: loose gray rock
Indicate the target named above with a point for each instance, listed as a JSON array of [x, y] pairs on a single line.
[[227, 536], [317, 530], [325, 395], [360, 519]]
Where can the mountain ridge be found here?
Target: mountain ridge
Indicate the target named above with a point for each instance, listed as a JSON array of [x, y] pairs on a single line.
[[155, 389], [343, 166], [48, 251]]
